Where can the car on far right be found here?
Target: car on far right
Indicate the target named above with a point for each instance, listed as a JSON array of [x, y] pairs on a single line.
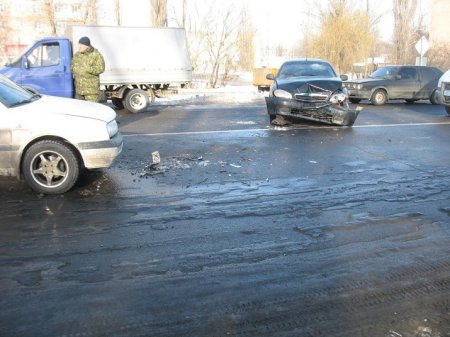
[[444, 91], [409, 83]]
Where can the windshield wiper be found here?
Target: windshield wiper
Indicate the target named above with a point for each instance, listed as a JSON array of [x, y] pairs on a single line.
[[26, 101]]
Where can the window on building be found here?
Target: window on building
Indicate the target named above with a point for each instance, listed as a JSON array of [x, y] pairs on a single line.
[[61, 27]]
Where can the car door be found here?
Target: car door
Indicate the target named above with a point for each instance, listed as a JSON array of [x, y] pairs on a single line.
[[6, 147], [407, 84], [44, 69]]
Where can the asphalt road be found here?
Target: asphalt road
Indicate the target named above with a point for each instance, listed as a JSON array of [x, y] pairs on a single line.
[[243, 229]]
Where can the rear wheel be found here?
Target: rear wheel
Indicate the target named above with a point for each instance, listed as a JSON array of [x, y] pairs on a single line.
[[50, 167], [379, 97], [136, 100], [117, 102]]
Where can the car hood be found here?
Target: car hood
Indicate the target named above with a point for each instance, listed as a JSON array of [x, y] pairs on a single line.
[[71, 107], [444, 78], [367, 80], [302, 84]]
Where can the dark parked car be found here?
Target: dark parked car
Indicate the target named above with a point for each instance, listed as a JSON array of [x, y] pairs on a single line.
[[410, 83], [309, 89]]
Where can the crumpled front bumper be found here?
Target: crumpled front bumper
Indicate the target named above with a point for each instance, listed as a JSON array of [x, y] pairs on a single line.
[[323, 112]]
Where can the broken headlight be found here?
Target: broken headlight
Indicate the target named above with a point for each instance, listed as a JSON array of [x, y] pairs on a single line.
[[338, 98]]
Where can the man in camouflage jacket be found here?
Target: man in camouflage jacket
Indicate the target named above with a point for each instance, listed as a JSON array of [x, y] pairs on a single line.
[[87, 65]]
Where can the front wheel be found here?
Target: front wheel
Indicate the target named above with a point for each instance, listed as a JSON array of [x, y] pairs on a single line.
[[434, 99], [117, 102], [136, 100], [379, 97], [447, 109], [50, 167], [354, 100]]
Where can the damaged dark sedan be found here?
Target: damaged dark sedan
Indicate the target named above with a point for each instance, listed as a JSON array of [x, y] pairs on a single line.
[[309, 89]]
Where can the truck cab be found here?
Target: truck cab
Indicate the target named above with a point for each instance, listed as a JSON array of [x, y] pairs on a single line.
[[44, 68]]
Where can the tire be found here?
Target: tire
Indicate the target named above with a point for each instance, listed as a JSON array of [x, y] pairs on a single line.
[[447, 109], [117, 102], [136, 100], [379, 97], [434, 99], [50, 167], [355, 100]]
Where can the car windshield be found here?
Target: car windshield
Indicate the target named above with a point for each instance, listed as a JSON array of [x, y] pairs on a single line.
[[12, 95], [306, 69], [385, 72]]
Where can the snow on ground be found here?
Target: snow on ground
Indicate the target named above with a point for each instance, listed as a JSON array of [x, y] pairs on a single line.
[[237, 91]]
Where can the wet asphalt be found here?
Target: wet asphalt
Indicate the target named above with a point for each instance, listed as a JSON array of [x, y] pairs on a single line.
[[243, 229]]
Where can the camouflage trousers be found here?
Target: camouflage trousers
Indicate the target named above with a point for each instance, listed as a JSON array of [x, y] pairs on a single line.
[[91, 98]]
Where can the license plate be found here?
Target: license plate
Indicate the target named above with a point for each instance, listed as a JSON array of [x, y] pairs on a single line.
[[446, 92]]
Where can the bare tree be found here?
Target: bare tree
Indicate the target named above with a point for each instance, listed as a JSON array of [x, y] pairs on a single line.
[[221, 40], [403, 42], [117, 12], [159, 13], [346, 35], [49, 13], [438, 56], [90, 12], [177, 15], [245, 43]]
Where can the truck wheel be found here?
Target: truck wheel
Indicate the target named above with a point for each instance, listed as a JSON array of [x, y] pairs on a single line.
[[136, 100], [117, 102], [379, 97], [50, 167]]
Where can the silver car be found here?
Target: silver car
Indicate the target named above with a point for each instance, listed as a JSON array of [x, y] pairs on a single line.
[[48, 141]]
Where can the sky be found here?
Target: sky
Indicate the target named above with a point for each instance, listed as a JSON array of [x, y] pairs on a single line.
[[276, 22]]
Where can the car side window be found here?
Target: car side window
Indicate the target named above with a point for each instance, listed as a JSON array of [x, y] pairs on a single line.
[[408, 73], [46, 54]]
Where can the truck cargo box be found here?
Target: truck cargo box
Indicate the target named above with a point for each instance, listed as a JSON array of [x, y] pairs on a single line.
[[138, 54]]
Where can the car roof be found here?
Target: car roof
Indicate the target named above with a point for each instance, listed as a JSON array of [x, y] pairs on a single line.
[[306, 59]]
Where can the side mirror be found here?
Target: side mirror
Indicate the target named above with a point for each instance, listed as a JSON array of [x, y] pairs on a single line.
[[344, 77], [25, 62], [270, 77]]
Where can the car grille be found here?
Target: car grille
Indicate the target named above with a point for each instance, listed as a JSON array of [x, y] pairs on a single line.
[[446, 89], [311, 97], [313, 94]]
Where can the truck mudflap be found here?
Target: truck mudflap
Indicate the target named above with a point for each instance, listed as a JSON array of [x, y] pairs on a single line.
[[327, 113]]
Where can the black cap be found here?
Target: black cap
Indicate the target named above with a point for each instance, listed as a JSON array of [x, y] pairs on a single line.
[[85, 41]]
